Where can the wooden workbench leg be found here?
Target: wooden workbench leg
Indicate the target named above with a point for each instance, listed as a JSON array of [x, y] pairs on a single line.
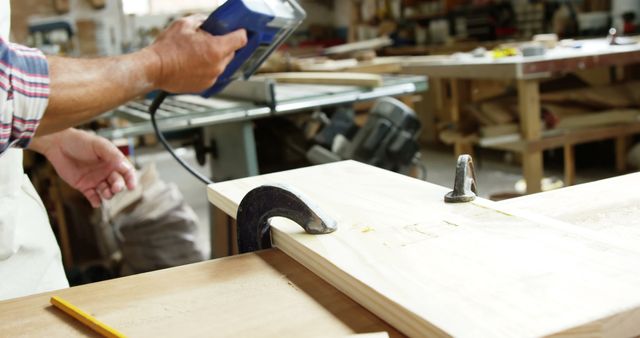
[[621, 153], [427, 110], [460, 97], [569, 165], [530, 126], [224, 240]]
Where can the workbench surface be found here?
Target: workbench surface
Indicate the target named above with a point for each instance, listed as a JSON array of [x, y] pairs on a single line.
[[590, 54], [269, 294], [266, 294]]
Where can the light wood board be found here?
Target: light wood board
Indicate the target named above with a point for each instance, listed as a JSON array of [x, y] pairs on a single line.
[[610, 206], [347, 79], [604, 118], [469, 270], [266, 294]]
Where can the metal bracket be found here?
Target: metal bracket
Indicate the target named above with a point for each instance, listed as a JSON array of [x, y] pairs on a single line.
[[464, 189], [267, 201]]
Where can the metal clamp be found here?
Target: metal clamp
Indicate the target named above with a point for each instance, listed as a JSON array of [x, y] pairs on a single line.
[[267, 201], [464, 188]]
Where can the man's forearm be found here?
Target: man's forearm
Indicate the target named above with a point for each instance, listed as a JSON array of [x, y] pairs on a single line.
[[84, 88], [183, 59]]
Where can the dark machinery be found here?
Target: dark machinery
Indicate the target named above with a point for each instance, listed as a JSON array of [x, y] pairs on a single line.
[[387, 140]]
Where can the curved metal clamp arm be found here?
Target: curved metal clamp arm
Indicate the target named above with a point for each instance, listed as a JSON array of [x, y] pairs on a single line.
[[464, 189], [267, 201]]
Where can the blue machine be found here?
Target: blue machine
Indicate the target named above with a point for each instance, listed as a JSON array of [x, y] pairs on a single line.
[[268, 24]]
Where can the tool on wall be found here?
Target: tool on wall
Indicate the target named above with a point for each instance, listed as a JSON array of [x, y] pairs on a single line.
[[268, 24]]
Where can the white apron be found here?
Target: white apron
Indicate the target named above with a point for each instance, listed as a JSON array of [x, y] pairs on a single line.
[[30, 259]]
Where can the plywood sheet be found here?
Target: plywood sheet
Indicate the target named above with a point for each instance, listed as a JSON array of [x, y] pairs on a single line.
[[256, 295], [468, 270], [610, 207]]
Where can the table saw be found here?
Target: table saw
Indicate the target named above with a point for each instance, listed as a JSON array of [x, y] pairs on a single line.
[[402, 261]]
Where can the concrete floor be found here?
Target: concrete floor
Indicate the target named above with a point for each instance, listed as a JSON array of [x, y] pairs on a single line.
[[495, 176]]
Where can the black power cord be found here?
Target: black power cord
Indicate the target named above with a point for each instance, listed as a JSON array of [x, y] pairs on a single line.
[[153, 108]]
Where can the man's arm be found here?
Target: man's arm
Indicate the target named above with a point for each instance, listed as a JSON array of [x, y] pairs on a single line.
[[184, 59]]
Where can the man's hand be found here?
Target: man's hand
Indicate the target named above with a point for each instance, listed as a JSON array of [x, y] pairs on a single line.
[[184, 59], [87, 162], [191, 59]]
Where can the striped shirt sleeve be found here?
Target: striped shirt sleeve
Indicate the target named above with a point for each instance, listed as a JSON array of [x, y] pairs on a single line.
[[24, 93]]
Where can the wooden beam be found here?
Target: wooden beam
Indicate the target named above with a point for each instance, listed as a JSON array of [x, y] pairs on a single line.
[[568, 137], [569, 165], [608, 206], [347, 79], [530, 127], [621, 144]]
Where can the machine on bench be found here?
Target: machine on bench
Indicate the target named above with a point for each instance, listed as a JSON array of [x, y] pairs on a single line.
[[388, 139]]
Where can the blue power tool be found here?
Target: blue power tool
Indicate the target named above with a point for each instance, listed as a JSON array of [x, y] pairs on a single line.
[[268, 24]]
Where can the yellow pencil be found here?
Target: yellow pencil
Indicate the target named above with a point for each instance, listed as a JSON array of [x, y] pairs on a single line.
[[85, 318]]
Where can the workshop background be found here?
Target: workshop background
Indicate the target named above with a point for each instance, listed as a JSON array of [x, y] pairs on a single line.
[[587, 110]]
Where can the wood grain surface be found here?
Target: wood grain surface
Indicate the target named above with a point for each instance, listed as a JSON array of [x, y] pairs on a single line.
[[256, 295], [347, 79], [479, 269], [610, 207]]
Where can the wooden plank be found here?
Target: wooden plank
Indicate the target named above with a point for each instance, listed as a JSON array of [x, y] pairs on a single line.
[[604, 118], [529, 108], [610, 206], [347, 79], [584, 136], [359, 46], [468, 270], [569, 165], [324, 65], [460, 70], [376, 68], [557, 138], [621, 145], [499, 130], [605, 206], [378, 65], [266, 294], [499, 111]]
